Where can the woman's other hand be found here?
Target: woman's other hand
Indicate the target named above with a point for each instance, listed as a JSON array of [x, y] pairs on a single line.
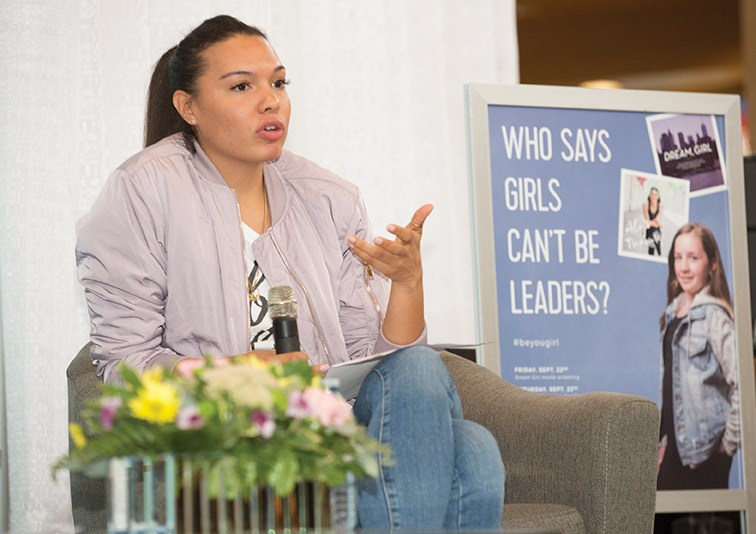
[[269, 355], [399, 259], [186, 366]]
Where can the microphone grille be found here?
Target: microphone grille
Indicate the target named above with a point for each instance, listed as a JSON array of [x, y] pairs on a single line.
[[282, 302]]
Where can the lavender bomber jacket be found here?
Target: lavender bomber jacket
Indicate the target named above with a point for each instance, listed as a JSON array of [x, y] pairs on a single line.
[[161, 259]]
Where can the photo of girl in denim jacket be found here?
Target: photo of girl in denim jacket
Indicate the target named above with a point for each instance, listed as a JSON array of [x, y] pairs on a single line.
[[700, 421]]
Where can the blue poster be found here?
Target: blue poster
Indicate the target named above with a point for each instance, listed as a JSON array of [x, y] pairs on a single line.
[[586, 205]]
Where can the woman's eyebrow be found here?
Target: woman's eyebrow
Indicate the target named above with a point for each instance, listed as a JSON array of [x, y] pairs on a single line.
[[247, 73]]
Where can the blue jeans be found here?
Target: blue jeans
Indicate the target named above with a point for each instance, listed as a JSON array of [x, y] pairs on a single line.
[[447, 472]]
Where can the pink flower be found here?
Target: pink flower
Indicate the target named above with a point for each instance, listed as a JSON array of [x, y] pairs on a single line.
[[331, 410], [298, 407], [264, 423], [108, 410], [185, 367], [189, 417]]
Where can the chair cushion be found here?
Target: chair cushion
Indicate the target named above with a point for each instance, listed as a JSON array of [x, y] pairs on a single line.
[[565, 519]]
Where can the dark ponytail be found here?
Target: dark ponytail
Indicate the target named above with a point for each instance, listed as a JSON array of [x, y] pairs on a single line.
[[162, 119], [178, 69]]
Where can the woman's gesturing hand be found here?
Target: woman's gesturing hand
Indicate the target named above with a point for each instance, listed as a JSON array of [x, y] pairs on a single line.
[[399, 259]]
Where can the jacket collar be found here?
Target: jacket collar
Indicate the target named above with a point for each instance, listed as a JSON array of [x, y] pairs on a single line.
[[271, 172], [698, 308], [204, 166], [277, 197]]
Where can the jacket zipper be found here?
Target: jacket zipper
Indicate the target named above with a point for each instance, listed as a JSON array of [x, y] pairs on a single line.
[[246, 278], [296, 278], [368, 275]]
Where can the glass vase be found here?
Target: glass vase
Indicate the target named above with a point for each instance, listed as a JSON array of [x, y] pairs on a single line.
[[177, 495]]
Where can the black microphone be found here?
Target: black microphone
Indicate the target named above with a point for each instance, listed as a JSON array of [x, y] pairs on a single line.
[[282, 307]]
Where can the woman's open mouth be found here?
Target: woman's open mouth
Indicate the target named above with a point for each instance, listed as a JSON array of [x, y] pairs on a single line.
[[271, 131]]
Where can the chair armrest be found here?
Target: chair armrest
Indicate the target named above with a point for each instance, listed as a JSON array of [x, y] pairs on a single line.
[[595, 452]]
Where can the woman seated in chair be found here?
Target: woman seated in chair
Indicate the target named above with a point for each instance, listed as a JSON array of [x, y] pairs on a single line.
[[180, 247]]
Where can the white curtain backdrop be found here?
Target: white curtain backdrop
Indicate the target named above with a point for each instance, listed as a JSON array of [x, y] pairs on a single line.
[[377, 92]]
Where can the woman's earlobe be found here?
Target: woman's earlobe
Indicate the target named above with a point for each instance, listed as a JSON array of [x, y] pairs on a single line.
[[182, 101]]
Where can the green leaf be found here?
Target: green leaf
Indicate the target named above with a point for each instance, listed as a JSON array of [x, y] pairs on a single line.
[[284, 473], [130, 376], [247, 472], [224, 478], [298, 367], [305, 439], [207, 409], [98, 469], [366, 458]]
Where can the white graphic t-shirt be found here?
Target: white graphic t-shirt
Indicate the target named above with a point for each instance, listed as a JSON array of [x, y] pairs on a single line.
[[261, 327]]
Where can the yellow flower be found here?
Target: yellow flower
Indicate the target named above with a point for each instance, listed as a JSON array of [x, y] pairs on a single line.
[[77, 435], [156, 401]]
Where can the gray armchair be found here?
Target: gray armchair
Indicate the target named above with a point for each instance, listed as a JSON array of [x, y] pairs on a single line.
[[87, 494], [581, 463], [575, 464]]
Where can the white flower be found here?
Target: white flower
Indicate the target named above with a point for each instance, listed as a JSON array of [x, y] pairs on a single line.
[[248, 386]]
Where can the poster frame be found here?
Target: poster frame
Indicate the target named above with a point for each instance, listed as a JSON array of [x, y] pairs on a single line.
[[479, 97]]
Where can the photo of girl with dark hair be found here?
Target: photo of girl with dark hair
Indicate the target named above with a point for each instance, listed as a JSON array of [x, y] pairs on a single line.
[[652, 213], [700, 415]]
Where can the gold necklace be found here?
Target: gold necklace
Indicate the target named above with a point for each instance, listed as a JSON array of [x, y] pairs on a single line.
[[265, 207]]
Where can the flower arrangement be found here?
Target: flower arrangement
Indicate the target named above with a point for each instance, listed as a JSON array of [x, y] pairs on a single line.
[[275, 422]]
